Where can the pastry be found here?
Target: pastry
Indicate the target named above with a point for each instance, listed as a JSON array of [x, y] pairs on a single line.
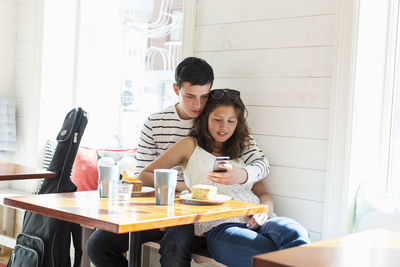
[[202, 191], [127, 178]]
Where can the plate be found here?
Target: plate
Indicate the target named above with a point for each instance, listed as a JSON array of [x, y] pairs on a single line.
[[145, 190], [218, 200]]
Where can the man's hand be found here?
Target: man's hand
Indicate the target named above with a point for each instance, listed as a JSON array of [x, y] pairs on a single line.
[[233, 175], [257, 220]]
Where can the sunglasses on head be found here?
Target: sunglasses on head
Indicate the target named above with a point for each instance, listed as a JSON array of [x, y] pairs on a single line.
[[219, 93]]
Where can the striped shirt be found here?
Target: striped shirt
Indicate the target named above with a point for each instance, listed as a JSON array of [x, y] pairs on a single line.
[[162, 129]]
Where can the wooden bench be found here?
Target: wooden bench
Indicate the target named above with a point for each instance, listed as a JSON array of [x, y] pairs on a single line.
[[201, 257]]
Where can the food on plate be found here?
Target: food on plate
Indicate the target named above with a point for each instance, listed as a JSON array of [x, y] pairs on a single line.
[[202, 191], [127, 178]]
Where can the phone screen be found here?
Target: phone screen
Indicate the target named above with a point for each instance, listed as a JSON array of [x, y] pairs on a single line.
[[218, 161]]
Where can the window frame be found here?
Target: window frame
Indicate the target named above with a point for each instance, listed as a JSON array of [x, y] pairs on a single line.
[[391, 95]]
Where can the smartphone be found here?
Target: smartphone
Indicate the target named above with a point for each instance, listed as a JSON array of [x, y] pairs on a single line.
[[218, 161]]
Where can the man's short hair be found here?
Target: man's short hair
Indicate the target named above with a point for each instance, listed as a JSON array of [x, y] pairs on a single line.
[[195, 71]]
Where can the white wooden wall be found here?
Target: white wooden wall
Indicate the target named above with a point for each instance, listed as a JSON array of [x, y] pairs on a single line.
[[26, 86], [8, 30], [280, 54], [17, 24], [8, 33], [19, 76]]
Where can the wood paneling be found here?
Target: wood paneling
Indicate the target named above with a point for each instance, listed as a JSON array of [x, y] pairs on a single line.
[[283, 92], [7, 11], [7, 69], [7, 86], [19, 89], [293, 122], [306, 212], [285, 62], [297, 183], [7, 50], [281, 56], [7, 31], [26, 11], [25, 50], [294, 152], [23, 69], [26, 32], [292, 32], [225, 11]]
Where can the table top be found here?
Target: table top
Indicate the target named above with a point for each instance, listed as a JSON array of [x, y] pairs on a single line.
[[141, 213], [376, 247], [11, 171]]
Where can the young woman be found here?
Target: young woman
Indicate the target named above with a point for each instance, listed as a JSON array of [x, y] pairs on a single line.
[[221, 130]]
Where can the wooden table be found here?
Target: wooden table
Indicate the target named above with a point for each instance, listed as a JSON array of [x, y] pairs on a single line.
[[11, 171], [141, 213], [372, 248]]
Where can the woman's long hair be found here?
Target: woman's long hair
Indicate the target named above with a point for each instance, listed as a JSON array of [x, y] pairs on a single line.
[[235, 145]]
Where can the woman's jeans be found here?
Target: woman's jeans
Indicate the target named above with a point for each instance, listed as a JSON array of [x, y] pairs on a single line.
[[106, 249], [233, 244]]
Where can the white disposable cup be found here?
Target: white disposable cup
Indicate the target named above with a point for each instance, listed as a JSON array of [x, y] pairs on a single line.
[[165, 184], [108, 178]]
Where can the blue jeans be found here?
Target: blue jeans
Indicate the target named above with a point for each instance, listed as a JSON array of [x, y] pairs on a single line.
[[106, 249], [233, 244]]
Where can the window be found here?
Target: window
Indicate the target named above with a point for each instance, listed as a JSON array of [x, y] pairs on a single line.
[[393, 172], [375, 134], [127, 52]]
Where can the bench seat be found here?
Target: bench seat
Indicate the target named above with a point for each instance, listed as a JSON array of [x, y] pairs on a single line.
[[202, 257]]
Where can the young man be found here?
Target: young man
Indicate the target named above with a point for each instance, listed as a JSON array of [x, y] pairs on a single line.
[[194, 78]]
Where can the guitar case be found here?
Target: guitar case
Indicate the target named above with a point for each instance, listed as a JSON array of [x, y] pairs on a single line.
[[45, 241]]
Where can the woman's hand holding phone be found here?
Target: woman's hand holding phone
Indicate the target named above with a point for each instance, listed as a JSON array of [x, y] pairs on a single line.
[[219, 164], [224, 173]]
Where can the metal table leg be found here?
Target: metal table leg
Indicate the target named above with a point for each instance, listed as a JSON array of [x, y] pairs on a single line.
[[134, 253]]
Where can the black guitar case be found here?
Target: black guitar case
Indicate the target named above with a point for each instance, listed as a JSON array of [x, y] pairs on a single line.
[[45, 241]]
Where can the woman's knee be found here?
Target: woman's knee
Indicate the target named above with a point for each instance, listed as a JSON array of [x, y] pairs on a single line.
[[224, 231], [286, 232]]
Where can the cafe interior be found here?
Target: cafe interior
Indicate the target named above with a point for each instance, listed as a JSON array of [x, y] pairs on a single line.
[[319, 78]]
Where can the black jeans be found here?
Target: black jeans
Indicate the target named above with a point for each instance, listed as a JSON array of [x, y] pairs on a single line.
[[106, 249]]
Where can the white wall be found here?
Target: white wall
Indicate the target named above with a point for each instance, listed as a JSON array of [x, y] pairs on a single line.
[[18, 39], [27, 86], [8, 34], [281, 56]]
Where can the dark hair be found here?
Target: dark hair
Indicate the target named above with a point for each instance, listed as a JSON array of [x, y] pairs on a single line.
[[240, 139], [195, 71]]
